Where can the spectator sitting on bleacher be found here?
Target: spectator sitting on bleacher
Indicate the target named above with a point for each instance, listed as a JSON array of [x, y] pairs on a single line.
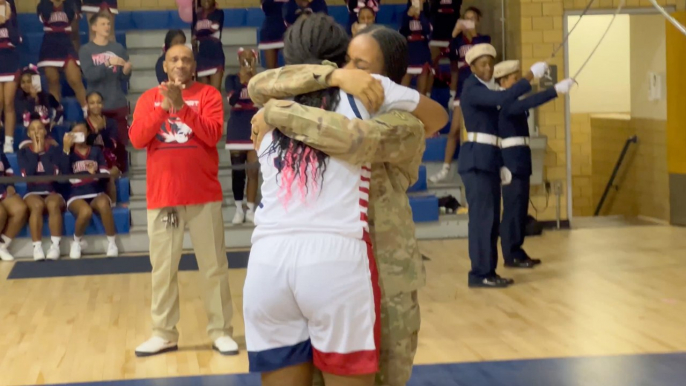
[[40, 159], [88, 194], [12, 211], [9, 66], [31, 100], [108, 7], [100, 134], [173, 37], [365, 16], [57, 51], [105, 65]]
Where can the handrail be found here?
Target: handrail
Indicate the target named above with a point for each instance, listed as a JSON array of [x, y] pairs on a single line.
[[610, 182]]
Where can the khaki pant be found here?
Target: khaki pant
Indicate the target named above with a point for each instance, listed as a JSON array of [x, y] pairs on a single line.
[[206, 227], [400, 320]]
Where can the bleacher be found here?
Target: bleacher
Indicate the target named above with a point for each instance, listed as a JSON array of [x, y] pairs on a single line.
[[142, 32]]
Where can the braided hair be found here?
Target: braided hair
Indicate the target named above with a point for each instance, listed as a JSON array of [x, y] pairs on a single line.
[[393, 47], [312, 39]]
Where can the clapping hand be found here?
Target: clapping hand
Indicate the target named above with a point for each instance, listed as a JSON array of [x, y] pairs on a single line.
[[172, 93]]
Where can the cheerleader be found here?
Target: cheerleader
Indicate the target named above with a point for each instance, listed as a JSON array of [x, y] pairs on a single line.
[[238, 135], [173, 37], [207, 33], [465, 36], [9, 67], [365, 15], [12, 211], [354, 8], [57, 51], [102, 132], [106, 7], [295, 8], [87, 195], [40, 159], [417, 29], [444, 15], [271, 33], [30, 100]]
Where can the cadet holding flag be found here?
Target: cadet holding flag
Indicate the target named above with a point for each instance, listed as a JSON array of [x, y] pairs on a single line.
[[513, 130], [480, 160]]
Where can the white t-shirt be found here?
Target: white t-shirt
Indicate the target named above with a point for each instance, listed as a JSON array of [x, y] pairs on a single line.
[[339, 203]]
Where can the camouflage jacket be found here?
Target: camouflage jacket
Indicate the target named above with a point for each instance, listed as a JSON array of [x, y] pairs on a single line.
[[392, 142]]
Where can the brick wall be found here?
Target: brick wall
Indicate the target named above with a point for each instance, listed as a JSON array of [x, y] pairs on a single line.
[[650, 164]]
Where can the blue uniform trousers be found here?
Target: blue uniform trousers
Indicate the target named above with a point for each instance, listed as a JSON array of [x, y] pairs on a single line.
[[483, 197], [515, 211]]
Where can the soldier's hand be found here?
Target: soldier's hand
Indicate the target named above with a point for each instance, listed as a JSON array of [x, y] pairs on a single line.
[[361, 85], [259, 129]]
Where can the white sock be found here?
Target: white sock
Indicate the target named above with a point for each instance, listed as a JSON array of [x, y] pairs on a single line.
[[239, 206], [251, 206], [9, 139], [55, 240], [77, 238], [111, 239], [428, 94], [6, 240], [37, 244], [453, 93], [446, 166]]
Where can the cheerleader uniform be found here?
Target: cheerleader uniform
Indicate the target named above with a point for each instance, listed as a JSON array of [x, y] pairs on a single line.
[[57, 48], [444, 15], [273, 26], [47, 107], [292, 10], [458, 53], [207, 30], [417, 31], [5, 171], [9, 57], [107, 143], [242, 110], [76, 163], [94, 6], [45, 163]]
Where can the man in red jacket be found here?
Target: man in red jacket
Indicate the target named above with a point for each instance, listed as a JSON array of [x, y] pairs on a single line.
[[180, 123]]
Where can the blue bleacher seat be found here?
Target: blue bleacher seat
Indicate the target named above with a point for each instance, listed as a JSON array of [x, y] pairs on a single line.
[[340, 14], [420, 185], [235, 17], [122, 222], [122, 22], [424, 208], [175, 21], [435, 149], [12, 159], [147, 20], [123, 190]]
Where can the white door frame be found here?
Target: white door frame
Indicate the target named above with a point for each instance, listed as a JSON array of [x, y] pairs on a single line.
[[568, 116]]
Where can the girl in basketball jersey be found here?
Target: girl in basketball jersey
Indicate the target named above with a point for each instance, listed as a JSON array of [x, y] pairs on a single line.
[[87, 195], [465, 36], [207, 32], [295, 8], [173, 37], [366, 16], [12, 211], [9, 67], [102, 132], [271, 33], [238, 135], [417, 29], [29, 100], [57, 51], [107, 7], [39, 159]]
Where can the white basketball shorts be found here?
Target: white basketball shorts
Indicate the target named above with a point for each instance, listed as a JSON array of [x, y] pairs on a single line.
[[312, 298]]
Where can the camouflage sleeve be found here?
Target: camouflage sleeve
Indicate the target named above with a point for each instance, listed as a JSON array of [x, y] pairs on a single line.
[[288, 81], [392, 137]]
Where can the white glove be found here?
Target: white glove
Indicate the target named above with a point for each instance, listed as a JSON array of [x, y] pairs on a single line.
[[505, 176], [539, 69], [564, 86]]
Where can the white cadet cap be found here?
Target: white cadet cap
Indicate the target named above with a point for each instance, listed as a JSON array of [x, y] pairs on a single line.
[[505, 68], [478, 51]]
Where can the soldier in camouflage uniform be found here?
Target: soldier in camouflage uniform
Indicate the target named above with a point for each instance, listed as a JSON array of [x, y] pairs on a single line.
[[394, 170]]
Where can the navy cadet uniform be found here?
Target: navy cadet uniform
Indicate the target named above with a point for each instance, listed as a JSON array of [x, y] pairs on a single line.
[[75, 163], [479, 166], [57, 48], [417, 30], [44, 163], [238, 129], [94, 6], [273, 25], [444, 16], [292, 10], [459, 46], [513, 129], [9, 56], [207, 30]]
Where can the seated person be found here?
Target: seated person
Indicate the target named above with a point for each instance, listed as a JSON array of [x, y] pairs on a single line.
[[87, 194], [12, 211], [40, 158], [102, 132], [31, 100]]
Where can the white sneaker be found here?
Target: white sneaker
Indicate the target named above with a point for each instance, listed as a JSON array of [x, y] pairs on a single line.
[[38, 254], [8, 148], [112, 250], [226, 346], [239, 217], [53, 252], [250, 216], [5, 255], [75, 252], [440, 176], [154, 346]]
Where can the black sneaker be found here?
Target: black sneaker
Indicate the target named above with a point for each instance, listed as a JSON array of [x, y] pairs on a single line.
[[521, 263], [494, 281]]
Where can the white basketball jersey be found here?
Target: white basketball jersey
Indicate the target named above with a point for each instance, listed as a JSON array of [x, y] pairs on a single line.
[[336, 202]]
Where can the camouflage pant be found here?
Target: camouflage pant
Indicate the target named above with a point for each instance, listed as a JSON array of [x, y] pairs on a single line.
[[400, 321]]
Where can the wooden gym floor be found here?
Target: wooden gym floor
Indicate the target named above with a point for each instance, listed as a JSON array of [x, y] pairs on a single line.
[[598, 310]]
